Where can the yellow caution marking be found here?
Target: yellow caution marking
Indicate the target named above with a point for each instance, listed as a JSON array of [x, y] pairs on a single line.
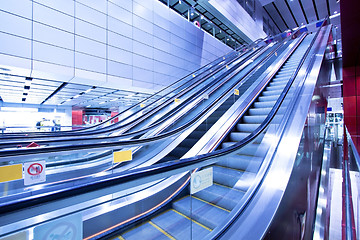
[[177, 100], [122, 156], [227, 66], [275, 53], [11, 172], [162, 230], [236, 91], [203, 226], [142, 105], [211, 204], [193, 75], [223, 58], [117, 238]]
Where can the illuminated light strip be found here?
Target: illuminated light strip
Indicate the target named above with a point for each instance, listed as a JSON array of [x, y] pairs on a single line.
[[141, 214], [161, 230], [239, 190], [211, 204], [203, 226]]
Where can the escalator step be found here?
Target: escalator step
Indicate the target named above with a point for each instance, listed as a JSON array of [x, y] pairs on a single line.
[[144, 231], [202, 212], [267, 98], [233, 179], [241, 162], [179, 226], [254, 119], [221, 195], [268, 104], [259, 111], [244, 127], [271, 92]]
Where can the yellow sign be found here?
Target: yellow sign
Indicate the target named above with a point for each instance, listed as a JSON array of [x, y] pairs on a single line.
[[177, 100], [227, 66], [193, 75], [236, 92], [11, 172], [223, 58], [142, 105], [122, 156]]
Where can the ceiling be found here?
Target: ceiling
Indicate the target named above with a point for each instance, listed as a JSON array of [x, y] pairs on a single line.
[[290, 14], [16, 89], [281, 14]]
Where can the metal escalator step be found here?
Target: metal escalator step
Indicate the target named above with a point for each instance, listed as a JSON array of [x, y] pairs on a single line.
[[233, 179], [268, 98], [282, 83], [253, 149], [272, 92], [180, 226], [254, 119], [244, 127], [259, 111], [144, 231], [274, 88], [268, 104], [221, 195], [202, 212], [242, 162]]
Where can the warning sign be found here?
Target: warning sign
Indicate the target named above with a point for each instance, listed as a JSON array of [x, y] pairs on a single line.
[[34, 172]]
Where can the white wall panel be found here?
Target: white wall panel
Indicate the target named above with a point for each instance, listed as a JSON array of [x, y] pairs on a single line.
[[143, 37], [90, 15], [119, 27], [53, 36], [119, 69], [65, 6], [120, 55], [99, 5], [53, 18], [15, 46], [120, 41], [19, 7], [142, 24], [161, 33], [89, 30], [15, 25], [49, 71], [143, 50], [91, 47], [143, 75], [52, 54], [123, 4], [90, 63], [143, 62], [143, 12], [120, 13]]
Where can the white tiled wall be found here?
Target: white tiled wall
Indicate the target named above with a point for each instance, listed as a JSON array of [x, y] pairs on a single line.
[[124, 44]]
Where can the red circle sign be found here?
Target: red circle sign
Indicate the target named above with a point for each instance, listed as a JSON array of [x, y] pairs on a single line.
[[35, 169]]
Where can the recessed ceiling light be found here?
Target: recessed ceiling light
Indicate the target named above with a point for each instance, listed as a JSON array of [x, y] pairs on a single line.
[[335, 12]]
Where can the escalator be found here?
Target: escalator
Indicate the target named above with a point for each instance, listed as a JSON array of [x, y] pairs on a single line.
[[241, 165], [232, 177]]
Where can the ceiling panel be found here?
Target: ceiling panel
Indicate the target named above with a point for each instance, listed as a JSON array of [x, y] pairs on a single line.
[[321, 7], [285, 13], [334, 6], [309, 10], [275, 16]]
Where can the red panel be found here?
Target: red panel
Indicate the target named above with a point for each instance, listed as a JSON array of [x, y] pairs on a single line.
[[116, 119], [77, 117], [349, 86], [350, 114], [357, 85], [348, 71]]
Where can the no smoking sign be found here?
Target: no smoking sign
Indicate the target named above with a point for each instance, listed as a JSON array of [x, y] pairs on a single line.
[[34, 172]]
